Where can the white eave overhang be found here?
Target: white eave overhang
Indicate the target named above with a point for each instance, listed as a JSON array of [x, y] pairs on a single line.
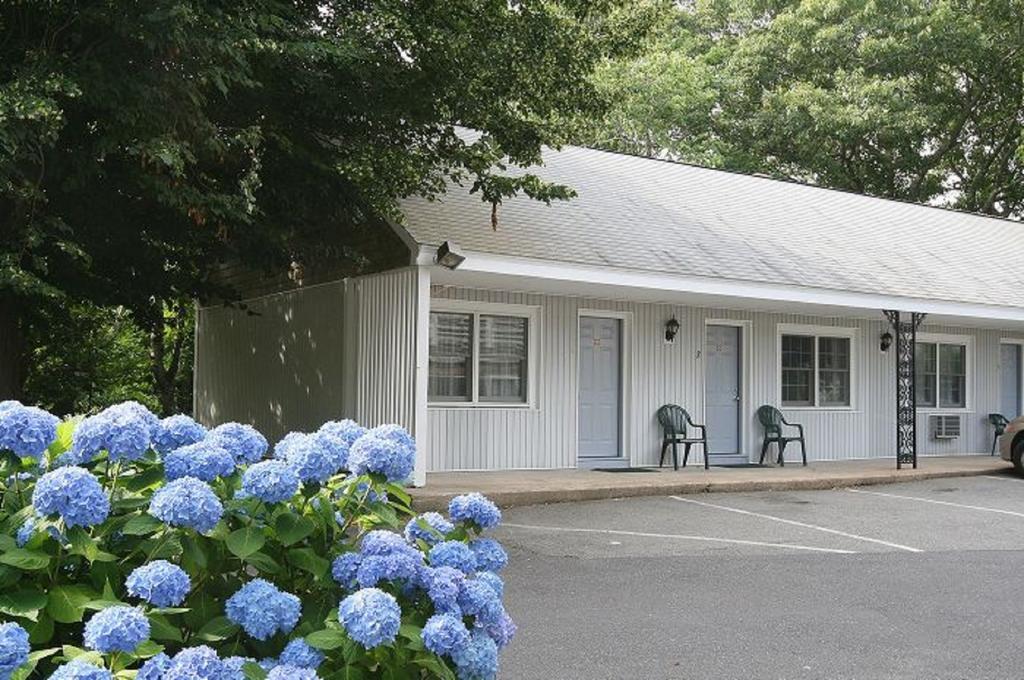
[[499, 272]]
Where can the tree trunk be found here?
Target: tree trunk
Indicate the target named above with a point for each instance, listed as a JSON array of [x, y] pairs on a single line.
[[12, 348], [164, 362]]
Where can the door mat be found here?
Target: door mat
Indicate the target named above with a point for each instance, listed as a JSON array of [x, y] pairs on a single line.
[[622, 469]]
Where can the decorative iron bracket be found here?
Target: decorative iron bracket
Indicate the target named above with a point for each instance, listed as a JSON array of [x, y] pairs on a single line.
[[906, 390]]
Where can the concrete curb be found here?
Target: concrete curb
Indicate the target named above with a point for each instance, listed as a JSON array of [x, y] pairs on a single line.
[[425, 500]]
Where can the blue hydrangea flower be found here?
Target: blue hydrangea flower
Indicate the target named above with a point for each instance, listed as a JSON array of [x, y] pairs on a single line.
[[476, 508], [27, 430], [131, 428], [204, 460], [233, 665], [444, 633], [311, 460], [262, 610], [387, 457], [89, 438], [299, 654], [286, 672], [371, 617], [397, 566], [397, 434], [187, 502], [490, 556], [268, 664], [177, 431], [271, 481], [343, 434], [14, 648], [477, 660], [74, 494], [501, 631], [382, 542], [443, 585], [78, 669], [244, 442], [116, 629], [25, 532], [453, 554], [493, 580], [160, 583], [345, 568], [479, 600], [435, 531], [198, 663], [154, 667]]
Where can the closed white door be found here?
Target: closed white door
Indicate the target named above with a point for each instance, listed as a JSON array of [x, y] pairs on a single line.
[[1010, 380], [722, 380], [600, 387]]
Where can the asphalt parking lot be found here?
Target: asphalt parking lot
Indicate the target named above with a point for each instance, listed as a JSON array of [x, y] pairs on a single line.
[[918, 580]]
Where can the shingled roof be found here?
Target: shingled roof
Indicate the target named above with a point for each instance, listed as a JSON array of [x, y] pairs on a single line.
[[649, 215]]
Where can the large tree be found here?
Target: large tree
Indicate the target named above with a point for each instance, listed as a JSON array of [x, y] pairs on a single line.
[[142, 144], [921, 100]]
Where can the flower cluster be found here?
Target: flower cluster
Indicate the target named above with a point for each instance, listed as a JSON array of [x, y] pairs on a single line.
[[26, 430], [157, 534], [262, 610], [73, 494]]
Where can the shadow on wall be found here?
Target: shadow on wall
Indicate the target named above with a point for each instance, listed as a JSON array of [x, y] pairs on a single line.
[[279, 368]]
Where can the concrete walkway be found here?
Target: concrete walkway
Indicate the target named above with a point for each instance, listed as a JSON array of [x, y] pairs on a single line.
[[535, 487]]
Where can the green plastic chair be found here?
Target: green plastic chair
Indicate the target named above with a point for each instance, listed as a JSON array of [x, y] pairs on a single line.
[[675, 423], [999, 422], [773, 421]]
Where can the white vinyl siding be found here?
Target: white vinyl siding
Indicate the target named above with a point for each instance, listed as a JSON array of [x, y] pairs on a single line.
[[815, 367]]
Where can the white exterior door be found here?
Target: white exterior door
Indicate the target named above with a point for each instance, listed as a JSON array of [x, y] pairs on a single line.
[[1010, 380], [722, 384], [600, 388]]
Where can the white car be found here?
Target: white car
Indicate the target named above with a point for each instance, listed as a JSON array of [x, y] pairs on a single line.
[[1011, 443]]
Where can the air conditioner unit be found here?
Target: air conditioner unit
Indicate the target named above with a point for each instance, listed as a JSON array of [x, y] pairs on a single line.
[[945, 427]]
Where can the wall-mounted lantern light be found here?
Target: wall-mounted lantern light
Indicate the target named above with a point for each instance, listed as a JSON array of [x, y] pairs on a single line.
[[671, 329], [885, 342], [449, 256]]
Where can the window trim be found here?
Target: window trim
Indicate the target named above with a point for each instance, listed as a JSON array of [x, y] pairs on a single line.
[[849, 332], [529, 312], [948, 339]]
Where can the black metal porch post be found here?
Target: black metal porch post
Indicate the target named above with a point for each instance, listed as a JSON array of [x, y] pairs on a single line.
[[906, 389]]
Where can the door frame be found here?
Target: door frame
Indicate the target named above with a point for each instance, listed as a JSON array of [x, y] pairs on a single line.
[[1020, 372], [744, 326], [625, 457]]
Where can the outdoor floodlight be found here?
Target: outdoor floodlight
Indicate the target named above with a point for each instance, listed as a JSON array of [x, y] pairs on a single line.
[[449, 256], [885, 342], [671, 329]]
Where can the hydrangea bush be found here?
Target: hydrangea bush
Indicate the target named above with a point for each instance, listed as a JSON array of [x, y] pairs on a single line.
[[138, 548]]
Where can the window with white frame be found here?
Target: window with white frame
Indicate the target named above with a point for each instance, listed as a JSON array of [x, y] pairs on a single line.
[[815, 369], [479, 356], [940, 373]]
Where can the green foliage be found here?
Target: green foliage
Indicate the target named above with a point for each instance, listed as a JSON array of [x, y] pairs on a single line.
[[909, 99]]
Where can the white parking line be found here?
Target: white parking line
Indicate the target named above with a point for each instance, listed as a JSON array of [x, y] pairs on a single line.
[[1002, 479], [805, 525], [936, 502], [682, 537]]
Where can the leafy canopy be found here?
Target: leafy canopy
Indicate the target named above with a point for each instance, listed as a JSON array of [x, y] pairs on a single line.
[[913, 99]]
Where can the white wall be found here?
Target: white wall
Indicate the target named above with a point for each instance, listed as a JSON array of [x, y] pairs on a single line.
[[545, 436]]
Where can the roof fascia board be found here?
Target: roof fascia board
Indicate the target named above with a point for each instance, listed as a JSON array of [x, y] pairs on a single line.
[[562, 271]]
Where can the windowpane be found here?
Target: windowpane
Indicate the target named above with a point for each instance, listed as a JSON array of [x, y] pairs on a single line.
[[925, 373], [503, 360], [797, 370], [833, 371], [952, 376], [451, 357]]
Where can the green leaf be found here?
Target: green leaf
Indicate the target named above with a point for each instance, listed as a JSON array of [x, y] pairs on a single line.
[[252, 671], [25, 670], [307, 560], [326, 639], [26, 560], [264, 562], [41, 631], [24, 603], [65, 429], [413, 634], [292, 528], [162, 629], [82, 543], [71, 652], [193, 554], [141, 525], [146, 478], [67, 603], [245, 541], [217, 629]]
